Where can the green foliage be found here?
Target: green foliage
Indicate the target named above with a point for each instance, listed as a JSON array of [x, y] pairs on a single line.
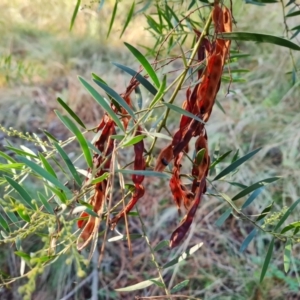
[[51, 213]]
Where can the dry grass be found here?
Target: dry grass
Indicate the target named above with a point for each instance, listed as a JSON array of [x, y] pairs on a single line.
[[45, 60]]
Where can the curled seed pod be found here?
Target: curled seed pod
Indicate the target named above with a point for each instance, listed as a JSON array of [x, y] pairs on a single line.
[[164, 158], [180, 232], [86, 234], [138, 193]]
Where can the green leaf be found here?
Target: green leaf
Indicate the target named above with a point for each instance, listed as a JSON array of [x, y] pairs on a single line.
[[252, 197], [223, 217], [117, 137], [220, 107], [236, 164], [46, 165], [112, 18], [23, 255], [179, 286], [183, 256], [296, 28], [43, 173], [23, 215], [138, 286], [141, 79], [100, 178], [70, 112], [69, 164], [50, 136], [21, 152], [160, 93], [133, 140], [264, 212], [129, 16], [259, 37], [183, 112], [20, 190], [13, 166], [7, 157], [116, 96], [161, 245], [267, 260], [254, 187], [293, 14], [221, 158], [81, 139], [3, 223], [102, 102], [145, 173], [158, 283], [144, 62], [290, 226], [287, 255], [248, 239], [286, 215], [44, 201], [75, 14]]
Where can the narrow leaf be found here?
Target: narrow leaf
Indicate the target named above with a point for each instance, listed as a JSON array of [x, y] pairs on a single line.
[[236, 164], [81, 139], [286, 215], [23, 215], [112, 18], [183, 112], [116, 96], [248, 239], [293, 14], [161, 245], [69, 164], [20, 190], [46, 165], [259, 37], [145, 173], [100, 178], [70, 112], [143, 81], [220, 159], [43, 173], [75, 14], [254, 187], [267, 260], [138, 286], [129, 16], [101, 101], [4, 224], [252, 197], [264, 212], [223, 217], [47, 206], [160, 93], [133, 140], [144, 62], [179, 286], [183, 256]]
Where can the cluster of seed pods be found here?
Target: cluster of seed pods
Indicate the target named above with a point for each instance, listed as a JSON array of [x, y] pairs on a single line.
[[102, 162], [199, 102]]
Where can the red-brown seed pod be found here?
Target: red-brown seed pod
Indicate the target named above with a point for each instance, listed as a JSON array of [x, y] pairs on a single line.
[[180, 232], [164, 158], [138, 193]]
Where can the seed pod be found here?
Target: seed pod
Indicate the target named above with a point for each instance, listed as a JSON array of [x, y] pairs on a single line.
[[138, 193], [178, 235], [164, 158]]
